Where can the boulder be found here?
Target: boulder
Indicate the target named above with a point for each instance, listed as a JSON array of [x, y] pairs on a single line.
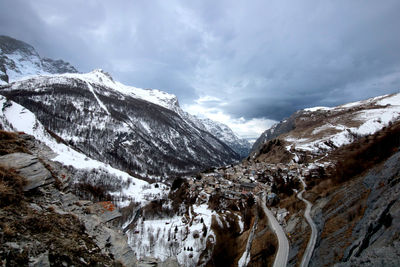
[[40, 261], [29, 167]]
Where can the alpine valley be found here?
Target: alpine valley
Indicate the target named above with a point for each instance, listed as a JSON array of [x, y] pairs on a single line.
[[95, 172]]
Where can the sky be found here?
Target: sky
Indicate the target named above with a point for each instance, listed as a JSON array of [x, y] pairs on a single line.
[[248, 64]]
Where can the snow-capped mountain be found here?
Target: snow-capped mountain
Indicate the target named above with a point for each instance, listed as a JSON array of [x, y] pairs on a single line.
[[322, 129], [117, 124], [170, 101], [19, 59], [224, 133]]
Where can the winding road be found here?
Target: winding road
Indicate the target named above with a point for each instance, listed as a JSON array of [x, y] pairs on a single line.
[[281, 258], [313, 238]]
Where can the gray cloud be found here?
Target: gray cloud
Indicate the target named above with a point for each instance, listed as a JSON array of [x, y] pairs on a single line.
[[260, 58]]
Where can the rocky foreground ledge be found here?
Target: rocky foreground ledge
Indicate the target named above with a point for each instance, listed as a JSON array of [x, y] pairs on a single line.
[[42, 223]]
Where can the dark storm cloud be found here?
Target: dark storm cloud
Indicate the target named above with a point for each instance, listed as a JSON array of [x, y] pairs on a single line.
[[258, 58]]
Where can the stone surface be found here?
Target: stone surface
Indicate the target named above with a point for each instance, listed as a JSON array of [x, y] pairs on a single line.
[[29, 167], [40, 261]]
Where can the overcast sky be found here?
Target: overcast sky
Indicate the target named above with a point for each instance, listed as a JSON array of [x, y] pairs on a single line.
[[245, 63]]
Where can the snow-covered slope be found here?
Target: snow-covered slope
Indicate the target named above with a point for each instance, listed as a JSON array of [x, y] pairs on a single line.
[[14, 117], [322, 129], [114, 124], [224, 133], [19, 59], [170, 101], [346, 123]]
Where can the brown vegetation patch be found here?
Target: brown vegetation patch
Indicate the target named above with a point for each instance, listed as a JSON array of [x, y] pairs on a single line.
[[366, 152], [265, 244], [292, 204], [92, 192], [63, 236], [230, 244], [274, 151], [181, 195], [11, 187], [11, 143], [353, 160], [156, 209], [343, 211]]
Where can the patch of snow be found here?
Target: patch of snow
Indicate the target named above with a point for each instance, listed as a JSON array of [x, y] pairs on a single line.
[[178, 236], [244, 260], [25, 66], [316, 109], [97, 98], [393, 100]]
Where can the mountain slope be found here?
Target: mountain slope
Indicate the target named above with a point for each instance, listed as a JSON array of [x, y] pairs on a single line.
[[169, 101], [153, 212], [316, 131], [224, 133], [19, 59], [112, 123]]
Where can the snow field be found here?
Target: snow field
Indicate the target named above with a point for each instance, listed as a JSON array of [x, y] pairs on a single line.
[[178, 236]]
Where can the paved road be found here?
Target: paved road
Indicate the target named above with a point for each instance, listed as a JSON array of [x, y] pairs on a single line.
[[313, 238], [282, 256]]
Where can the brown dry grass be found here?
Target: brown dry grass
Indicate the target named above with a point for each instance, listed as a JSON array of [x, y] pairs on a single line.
[[274, 151], [263, 250], [65, 234], [345, 208], [20, 223], [292, 204], [11, 187], [264, 244], [230, 244], [11, 143]]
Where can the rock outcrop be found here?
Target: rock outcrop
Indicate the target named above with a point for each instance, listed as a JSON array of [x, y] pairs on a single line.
[[29, 167], [50, 226]]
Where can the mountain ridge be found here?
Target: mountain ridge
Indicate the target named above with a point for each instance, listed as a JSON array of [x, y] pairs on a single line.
[[19, 59], [88, 104]]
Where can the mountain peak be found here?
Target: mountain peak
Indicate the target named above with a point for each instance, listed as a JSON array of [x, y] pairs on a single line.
[[19, 59], [9, 45]]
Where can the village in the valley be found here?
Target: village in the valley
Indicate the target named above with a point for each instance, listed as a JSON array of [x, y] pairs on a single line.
[[247, 178]]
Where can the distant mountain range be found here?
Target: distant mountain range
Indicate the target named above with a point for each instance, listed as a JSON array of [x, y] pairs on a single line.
[[143, 131]]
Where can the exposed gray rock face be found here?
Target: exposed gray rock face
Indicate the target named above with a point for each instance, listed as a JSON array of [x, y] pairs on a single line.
[[377, 233], [57, 66], [225, 134], [374, 239], [19, 59], [40, 261], [282, 127], [29, 167]]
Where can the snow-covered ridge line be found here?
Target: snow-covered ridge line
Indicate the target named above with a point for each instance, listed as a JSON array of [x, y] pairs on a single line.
[[355, 119], [21, 60], [99, 78]]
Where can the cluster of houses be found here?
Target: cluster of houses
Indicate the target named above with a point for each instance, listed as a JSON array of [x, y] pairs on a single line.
[[245, 178]]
